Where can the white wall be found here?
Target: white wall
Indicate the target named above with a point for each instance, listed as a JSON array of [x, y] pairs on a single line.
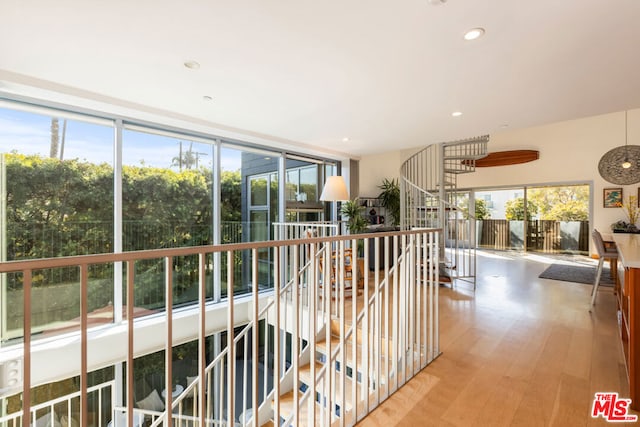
[[569, 153], [373, 169]]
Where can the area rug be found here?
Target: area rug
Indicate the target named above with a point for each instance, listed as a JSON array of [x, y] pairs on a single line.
[[576, 273]]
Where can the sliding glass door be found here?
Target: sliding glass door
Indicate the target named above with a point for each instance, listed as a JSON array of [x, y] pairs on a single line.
[[561, 221], [500, 223], [549, 219]]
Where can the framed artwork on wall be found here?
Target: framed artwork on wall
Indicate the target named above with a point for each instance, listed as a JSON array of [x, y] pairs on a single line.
[[612, 197]]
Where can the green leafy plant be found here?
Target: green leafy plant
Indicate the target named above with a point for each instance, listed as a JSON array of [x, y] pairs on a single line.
[[514, 209], [352, 210], [390, 199]]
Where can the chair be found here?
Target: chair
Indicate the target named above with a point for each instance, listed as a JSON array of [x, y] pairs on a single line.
[[334, 273], [603, 253]]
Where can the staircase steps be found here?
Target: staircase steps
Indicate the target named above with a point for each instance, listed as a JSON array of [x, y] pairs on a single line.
[[286, 410], [355, 370], [305, 371], [321, 347], [286, 406], [472, 149]]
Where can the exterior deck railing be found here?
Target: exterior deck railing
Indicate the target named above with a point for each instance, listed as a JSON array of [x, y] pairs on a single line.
[[55, 411], [328, 342]]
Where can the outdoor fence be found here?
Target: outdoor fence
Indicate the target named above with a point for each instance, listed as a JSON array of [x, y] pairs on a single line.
[[541, 235]]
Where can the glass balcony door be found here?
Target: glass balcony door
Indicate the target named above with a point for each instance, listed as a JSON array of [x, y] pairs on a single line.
[[549, 219]]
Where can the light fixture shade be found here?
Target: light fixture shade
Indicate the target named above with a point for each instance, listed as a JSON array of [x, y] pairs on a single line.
[[334, 190], [611, 169]]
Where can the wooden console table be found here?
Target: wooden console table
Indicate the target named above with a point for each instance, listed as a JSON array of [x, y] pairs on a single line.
[[628, 299]]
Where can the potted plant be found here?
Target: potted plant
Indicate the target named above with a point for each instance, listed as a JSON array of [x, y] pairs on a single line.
[[390, 199], [352, 211], [633, 212]]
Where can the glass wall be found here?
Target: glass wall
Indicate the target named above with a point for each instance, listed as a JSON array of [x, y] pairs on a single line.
[[554, 219], [503, 224], [56, 180], [250, 195], [61, 187], [167, 201], [559, 219], [303, 187]]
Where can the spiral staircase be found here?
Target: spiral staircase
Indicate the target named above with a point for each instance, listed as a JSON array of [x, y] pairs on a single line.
[[430, 198]]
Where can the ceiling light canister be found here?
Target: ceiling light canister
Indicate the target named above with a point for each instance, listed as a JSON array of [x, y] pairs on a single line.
[[192, 65], [474, 33]]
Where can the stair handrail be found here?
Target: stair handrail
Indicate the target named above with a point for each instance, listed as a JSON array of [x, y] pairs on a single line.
[[424, 151], [428, 189]]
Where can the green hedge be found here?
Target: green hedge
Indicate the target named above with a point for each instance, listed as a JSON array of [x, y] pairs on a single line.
[[62, 208]]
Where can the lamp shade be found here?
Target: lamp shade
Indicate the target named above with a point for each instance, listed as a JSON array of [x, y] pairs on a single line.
[[334, 190], [611, 165]]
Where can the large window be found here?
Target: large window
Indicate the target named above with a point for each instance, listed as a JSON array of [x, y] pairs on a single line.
[[167, 198], [64, 194], [258, 172], [56, 176], [302, 193], [551, 219], [167, 201]]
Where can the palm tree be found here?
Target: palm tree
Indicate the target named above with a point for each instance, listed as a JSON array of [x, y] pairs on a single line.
[[185, 159], [55, 138]]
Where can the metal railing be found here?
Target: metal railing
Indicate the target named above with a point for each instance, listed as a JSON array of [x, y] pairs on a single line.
[[429, 198], [64, 410], [339, 335]]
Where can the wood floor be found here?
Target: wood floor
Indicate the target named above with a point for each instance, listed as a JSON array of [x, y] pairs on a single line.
[[521, 351]]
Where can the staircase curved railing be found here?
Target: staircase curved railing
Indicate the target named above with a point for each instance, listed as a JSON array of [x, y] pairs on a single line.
[[430, 199]]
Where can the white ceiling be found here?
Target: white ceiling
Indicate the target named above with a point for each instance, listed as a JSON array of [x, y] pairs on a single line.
[[386, 74]]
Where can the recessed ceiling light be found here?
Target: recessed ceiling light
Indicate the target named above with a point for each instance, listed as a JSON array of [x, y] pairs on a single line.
[[207, 98], [345, 139], [192, 65], [456, 113], [504, 126], [474, 33], [436, 2]]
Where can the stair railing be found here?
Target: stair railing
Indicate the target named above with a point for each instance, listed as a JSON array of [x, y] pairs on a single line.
[[274, 333], [429, 198], [378, 338]]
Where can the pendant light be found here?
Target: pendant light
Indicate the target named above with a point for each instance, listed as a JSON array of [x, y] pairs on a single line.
[[621, 165]]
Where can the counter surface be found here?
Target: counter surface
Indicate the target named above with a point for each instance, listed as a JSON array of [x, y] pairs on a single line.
[[628, 248]]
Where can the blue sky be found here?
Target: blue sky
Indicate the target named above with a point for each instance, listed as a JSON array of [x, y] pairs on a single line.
[[29, 133]]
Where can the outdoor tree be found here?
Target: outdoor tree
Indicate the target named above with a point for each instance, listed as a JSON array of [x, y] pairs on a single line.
[[186, 159], [481, 211], [569, 203], [57, 140], [514, 209], [53, 148], [231, 195]]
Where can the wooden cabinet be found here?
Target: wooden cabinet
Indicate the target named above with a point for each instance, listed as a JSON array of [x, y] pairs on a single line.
[[628, 299]]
